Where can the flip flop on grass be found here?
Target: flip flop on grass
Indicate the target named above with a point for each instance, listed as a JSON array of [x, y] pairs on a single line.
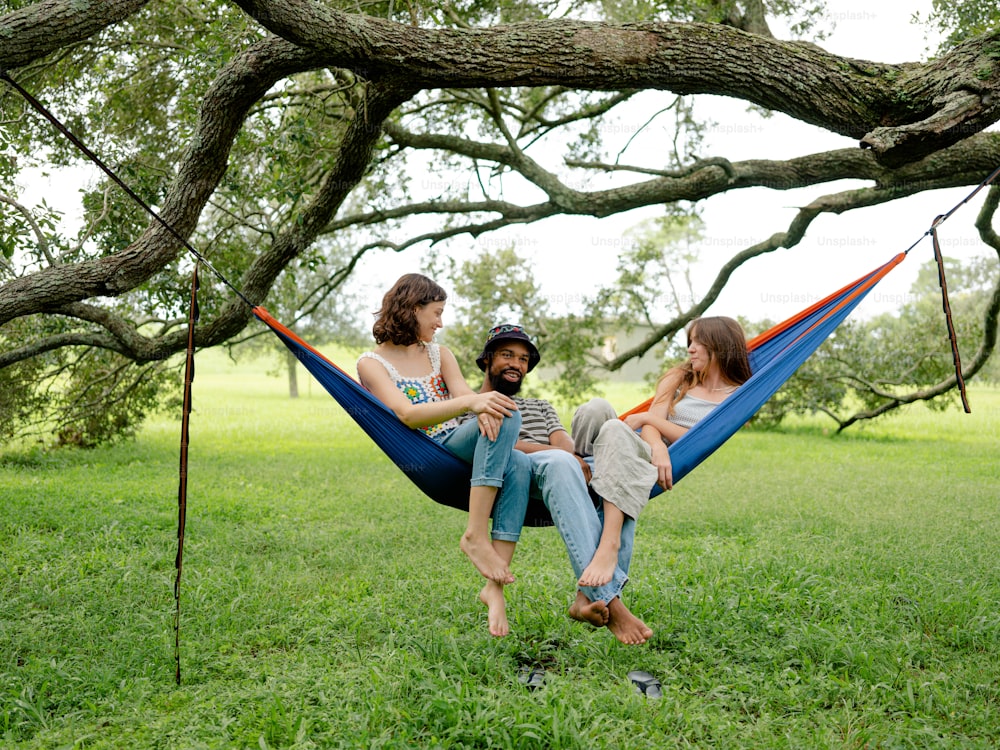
[[532, 677], [646, 684]]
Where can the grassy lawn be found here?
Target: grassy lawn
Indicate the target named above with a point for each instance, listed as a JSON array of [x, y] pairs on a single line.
[[806, 590]]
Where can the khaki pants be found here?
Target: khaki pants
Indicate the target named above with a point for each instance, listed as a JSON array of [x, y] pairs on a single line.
[[622, 470]]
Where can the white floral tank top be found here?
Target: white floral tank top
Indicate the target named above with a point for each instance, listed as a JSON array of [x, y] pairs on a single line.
[[422, 390]]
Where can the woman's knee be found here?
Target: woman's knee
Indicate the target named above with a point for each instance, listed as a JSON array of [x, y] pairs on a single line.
[[615, 429], [511, 424], [595, 410], [587, 422]]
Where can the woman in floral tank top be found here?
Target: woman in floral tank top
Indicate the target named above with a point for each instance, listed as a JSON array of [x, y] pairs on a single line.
[[423, 385]]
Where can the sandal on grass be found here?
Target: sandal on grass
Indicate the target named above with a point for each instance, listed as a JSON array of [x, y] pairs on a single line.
[[646, 684], [532, 677]]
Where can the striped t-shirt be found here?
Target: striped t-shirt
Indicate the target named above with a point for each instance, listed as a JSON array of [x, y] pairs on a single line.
[[538, 420]]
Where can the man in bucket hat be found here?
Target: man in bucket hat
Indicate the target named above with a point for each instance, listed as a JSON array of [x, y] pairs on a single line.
[[560, 478], [508, 332]]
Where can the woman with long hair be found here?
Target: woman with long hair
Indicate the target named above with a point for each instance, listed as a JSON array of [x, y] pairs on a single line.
[[716, 366]]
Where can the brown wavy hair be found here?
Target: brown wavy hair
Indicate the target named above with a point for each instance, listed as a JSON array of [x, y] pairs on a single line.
[[726, 343], [396, 320]]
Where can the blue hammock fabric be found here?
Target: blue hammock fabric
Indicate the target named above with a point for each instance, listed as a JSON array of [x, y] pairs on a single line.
[[774, 357], [436, 471]]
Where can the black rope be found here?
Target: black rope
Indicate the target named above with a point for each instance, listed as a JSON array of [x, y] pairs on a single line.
[[182, 487], [944, 217], [41, 109], [189, 362], [943, 284], [952, 337], [947, 215]]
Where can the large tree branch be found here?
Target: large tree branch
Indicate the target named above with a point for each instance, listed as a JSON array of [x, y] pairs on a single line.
[[966, 163], [121, 336], [902, 112], [225, 105], [41, 28]]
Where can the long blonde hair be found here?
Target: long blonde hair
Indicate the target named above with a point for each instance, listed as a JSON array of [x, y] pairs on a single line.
[[725, 341]]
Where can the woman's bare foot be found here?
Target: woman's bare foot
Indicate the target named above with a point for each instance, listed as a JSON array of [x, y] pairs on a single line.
[[601, 568], [486, 559], [625, 626], [593, 613], [496, 609]]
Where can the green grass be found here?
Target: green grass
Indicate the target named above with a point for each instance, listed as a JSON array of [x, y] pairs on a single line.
[[806, 590]]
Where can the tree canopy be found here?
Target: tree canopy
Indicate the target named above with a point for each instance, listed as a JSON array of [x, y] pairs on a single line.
[[278, 137]]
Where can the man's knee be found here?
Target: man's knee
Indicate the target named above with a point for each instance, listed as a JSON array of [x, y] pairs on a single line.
[[555, 470], [519, 462], [553, 466]]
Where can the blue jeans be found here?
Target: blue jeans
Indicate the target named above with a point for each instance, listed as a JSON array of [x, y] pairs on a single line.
[[495, 463], [556, 478]]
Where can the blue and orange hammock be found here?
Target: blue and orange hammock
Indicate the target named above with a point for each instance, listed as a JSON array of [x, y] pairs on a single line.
[[774, 356]]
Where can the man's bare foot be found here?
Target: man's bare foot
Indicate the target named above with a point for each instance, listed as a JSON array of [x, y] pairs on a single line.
[[601, 568], [496, 609], [486, 559], [593, 613], [625, 626]]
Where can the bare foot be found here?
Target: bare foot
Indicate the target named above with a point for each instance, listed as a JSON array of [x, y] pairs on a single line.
[[496, 609], [486, 559], [593, 613], [601, 568], [625, 626]]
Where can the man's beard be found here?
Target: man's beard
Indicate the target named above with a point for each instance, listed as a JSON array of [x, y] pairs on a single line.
[[504, 386]]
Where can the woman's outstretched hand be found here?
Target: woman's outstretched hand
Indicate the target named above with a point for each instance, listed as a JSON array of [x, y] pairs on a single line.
[[491, 408], [494, 404]]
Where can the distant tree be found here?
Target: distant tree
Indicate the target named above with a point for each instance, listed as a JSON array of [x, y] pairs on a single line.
[[498, 286], [310, 298], [653, 281], [963, 20]]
